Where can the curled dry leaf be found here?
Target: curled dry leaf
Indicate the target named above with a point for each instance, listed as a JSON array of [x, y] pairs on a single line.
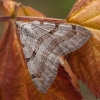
[[9, 8], [85, 62], [14, 9], [62, 88]]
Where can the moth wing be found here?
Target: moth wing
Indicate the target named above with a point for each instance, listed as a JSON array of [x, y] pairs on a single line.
[[43, 66], [68, 39], [48, 41], [44, 71]]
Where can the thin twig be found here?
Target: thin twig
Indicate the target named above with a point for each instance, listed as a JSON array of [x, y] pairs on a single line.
[[5, 18], [28, 18]]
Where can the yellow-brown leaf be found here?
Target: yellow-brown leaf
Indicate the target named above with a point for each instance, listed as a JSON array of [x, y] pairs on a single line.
[[85, 62]]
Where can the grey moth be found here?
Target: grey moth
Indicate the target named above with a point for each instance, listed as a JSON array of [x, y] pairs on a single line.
[[43, 42]]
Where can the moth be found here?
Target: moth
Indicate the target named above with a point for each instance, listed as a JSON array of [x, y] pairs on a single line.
[[43, 41]]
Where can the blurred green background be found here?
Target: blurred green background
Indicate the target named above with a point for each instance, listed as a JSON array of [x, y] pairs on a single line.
[[57, 9], [51, 8]]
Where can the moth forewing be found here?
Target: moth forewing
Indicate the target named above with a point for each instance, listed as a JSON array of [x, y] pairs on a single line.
[[44, 43]]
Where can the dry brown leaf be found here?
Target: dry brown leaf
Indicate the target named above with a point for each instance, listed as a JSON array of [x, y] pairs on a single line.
[[14, 76], [63, 88], [85, 62], [28, 11]]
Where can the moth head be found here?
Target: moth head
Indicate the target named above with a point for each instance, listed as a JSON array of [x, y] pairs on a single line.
[[17, 25]]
